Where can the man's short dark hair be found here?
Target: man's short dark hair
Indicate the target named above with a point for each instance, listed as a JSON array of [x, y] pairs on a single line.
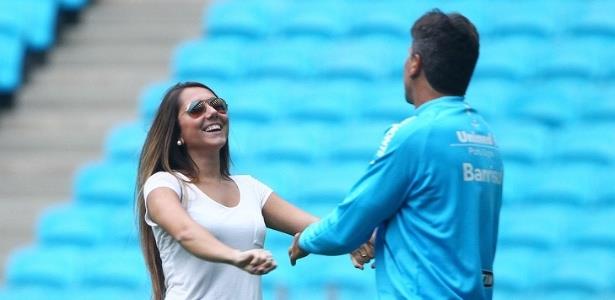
[[448, 46]]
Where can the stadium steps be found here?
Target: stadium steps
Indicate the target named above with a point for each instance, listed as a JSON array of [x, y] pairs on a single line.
[[90, 82]]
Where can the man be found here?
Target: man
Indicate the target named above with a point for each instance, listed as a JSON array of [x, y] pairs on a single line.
[[434, 188]]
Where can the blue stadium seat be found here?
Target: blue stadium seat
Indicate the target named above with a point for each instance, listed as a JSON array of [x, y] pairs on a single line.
[[585, 143], [209, 58], [73, 5], [540, 226], [104, 183], [518, 269], [492, 97], [288, 59], [12, 51], [596, 20], [592, 228], [125, 141], [354, 59], [588, 271], [567, 183], [331, 102], [383, 102], [571, 61], [150, 98], [518, 177], [551, 107], [306, 19], [523, 19], [44, 267], [384, 19], [296, 144], [510, 58], [326, 183], [356, 142], [35, 292], [112, 267], [245, 20], [42, 15], [521, 142], [72, 225]]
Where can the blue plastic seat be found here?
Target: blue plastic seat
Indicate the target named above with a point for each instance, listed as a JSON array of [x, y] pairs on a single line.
[[521, 142], [247, 20], [382, 19], [568, 183], [296, 144], [72, 225], [104, 183], [353, 60], [330, 102], [540, 226], [356, 142], [73, 5], [588, 271], [492, 97], [518, 177], [326, 183], [585, 143], [307, 19], [150, 98], [550, 107], [34, 292], [125, 141], [595, 20], [510, 58], [284, 58], [208, 58], [592, 228], [518, 269], [383, 102], [522, 19], [42, 17], [571, 61], [12, 51], [45, 267], [113, 267]]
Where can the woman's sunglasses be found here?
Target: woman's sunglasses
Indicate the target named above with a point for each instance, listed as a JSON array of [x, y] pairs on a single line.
[[198, 107]]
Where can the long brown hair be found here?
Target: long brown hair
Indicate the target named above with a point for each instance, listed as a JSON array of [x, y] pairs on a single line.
[[161, 153]]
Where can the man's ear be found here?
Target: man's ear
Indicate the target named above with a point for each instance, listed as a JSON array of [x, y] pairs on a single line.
[[416, 64]]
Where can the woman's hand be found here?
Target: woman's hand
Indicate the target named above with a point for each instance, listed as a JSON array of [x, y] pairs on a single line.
[[255, 261]]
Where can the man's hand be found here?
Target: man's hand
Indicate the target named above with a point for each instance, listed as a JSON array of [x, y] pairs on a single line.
[[255, 261], [294, 252], [365, 253]]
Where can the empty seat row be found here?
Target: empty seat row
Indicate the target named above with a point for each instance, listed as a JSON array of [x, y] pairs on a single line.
[[325, 19]]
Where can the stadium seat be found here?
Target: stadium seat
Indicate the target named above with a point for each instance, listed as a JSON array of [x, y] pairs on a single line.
[[72, 225], [567, 183], [356, 142], [12, 50], [552, 108], [125, 141], [306, 19], [585, 143], [73, 5], [518, 177], [150, 98], [325, 183], [285, 58], [44, 267], [383, 102], [521, 142], [29, 292], [571, 61], [105, 183], [588, 271], [246, 20], [596, 21], [209, 58], [514, 268], [592, 228], [355, 59], [510, 58], [523, 19], [111, 267], [384, 19], [493, 97], [535, 225], [43, 15]]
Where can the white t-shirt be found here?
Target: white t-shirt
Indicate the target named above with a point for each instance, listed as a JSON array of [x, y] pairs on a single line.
[[241, 227]]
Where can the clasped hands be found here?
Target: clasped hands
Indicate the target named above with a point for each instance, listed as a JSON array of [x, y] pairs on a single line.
[[359, 257]]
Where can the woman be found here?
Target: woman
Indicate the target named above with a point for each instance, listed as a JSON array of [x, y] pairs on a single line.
[[201, 229]]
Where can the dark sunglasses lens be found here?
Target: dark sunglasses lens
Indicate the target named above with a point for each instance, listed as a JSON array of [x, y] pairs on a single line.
[[219, 105], [196, 108]]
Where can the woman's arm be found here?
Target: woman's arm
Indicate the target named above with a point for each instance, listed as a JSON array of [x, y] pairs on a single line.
[[285, 217], [164, 208]]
